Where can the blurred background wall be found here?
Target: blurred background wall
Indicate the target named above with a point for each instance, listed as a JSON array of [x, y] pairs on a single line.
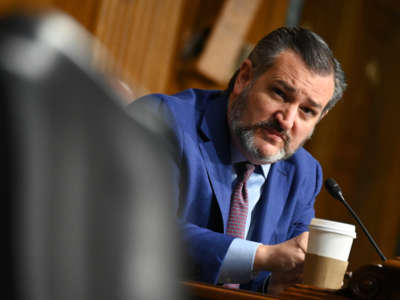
[[169, 45]]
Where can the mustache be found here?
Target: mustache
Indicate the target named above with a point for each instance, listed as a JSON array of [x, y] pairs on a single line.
[[271, 125]]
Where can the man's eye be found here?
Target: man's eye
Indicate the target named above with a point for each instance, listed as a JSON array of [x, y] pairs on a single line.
[[309, 111], [279, 92]]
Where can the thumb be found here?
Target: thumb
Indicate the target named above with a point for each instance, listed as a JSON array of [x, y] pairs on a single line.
[[302, 241]]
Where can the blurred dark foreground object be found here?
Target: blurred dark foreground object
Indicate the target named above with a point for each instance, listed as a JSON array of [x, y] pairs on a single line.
[[85, 186]]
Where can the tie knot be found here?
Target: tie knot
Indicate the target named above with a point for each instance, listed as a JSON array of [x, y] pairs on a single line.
[[244, 169]]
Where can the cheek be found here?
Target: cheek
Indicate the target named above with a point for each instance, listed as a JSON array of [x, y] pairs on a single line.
[[259, 109], [301, 133]]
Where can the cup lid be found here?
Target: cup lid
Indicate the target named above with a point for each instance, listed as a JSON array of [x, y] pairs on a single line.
[[332, 226]]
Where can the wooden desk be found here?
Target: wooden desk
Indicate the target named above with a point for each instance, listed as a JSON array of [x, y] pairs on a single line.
[[377, 282]]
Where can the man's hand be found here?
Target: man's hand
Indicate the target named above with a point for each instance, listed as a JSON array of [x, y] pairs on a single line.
[[281, 257], [284, 260]]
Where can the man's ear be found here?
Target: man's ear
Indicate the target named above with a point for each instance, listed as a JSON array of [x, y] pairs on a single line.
[[244, 77]]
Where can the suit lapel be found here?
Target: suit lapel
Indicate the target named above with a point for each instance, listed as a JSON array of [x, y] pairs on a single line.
[[272, 202], [215, 149]]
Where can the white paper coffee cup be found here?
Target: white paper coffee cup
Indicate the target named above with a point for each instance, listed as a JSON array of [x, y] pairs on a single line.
[[331, 239], [328, 250]]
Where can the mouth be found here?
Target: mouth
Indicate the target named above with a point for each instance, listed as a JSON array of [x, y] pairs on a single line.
[[275, 135], [271, 131], [272, 135]]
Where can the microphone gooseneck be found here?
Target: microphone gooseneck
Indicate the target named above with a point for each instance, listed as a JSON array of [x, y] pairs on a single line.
[[335, 191]]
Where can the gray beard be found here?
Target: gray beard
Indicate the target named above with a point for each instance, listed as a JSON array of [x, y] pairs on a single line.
[[245, 134], [245, 138]]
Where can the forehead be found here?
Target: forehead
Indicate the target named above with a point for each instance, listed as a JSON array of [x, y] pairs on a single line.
[[289, 68]]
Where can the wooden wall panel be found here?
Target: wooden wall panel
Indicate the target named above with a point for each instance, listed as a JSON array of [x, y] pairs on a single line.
[[84, 12], [205, 14], [197, 22], [271, 14], [141, 38], [7, 6], [146, 38], [238, 27], [218, 60]]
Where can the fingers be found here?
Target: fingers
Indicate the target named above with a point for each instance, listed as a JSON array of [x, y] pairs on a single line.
[[282, 257]]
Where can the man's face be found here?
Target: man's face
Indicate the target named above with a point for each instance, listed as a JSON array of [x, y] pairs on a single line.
[[272, 116]]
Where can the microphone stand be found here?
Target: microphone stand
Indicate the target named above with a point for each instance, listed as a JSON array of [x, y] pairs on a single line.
[[372, 241], [334, 190]]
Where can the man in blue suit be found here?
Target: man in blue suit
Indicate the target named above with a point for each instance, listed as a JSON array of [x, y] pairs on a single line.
[[274, 101]]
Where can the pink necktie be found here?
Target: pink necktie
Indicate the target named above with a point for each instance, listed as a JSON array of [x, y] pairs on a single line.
[[239, 201], [239, 206]]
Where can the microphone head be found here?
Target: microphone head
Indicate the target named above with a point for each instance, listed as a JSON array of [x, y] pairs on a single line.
[[333, 188]]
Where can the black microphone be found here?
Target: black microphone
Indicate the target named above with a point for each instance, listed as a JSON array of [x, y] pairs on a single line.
[[334, 189]]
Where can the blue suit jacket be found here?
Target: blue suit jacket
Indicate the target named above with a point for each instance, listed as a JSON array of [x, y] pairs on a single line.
[[203, 173]]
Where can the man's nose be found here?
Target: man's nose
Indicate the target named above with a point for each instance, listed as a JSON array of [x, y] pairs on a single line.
[[287, 116]]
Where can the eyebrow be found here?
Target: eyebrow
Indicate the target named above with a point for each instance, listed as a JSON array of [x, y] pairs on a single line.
[[291, 89]]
